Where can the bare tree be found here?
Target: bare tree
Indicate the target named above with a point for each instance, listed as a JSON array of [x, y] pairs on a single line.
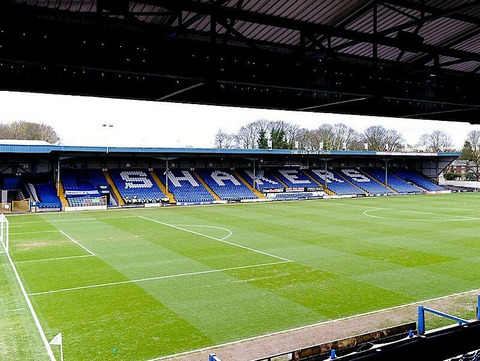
[[324, 135], [380, 139], [29, 131], [345, 137], [248, 135], [437, 141], [223, 139]]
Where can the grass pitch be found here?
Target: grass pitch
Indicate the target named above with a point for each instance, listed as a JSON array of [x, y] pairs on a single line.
[[144, 283]]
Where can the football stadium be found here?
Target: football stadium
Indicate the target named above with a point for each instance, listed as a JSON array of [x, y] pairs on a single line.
[[241, 254]]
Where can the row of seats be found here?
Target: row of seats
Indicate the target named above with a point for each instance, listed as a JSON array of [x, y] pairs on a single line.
[[136, 184], [335, 182], [186, 187], [363, 181], [47, 195], [226, 185], [83, 179], [393, 181], [417, 179]]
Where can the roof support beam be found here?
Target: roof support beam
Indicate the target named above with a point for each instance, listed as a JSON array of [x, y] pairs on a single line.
[[422, 20], [457, 39], [258, 18], [433, 10]]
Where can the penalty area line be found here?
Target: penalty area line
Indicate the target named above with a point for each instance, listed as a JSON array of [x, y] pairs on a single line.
[[157, 278], [53, 259], [77, 243], [216, 239]]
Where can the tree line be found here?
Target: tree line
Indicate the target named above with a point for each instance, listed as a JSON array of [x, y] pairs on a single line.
[[22, 130], [263, 134]]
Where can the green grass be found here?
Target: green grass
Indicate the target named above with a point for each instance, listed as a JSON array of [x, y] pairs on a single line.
[[345, 257]]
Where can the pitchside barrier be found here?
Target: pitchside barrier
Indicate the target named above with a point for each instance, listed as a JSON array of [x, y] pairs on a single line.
[[5, 207], [394, 343], [21, 206], [422, 310]]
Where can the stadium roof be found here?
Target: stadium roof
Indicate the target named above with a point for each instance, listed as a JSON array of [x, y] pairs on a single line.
[[402, 58], [89, 151]]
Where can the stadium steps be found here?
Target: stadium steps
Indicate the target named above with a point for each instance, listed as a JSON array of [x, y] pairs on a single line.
[[390, 174], [325, 186], [313, 179], [349, 181], [217, 198], [249, 186], [162, 187], [376, 180], [113, 187], [279, 180], [61, 195]]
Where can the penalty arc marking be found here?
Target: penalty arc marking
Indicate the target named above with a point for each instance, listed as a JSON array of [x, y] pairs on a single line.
[[216, 239]]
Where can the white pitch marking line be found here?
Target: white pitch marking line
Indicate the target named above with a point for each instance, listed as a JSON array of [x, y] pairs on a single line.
[[448, 219], [32, 310], [313, 325], [71, 239], [157, 278], [205, 226], [217, 239], [34, 232], [53, 259], [63, 220]]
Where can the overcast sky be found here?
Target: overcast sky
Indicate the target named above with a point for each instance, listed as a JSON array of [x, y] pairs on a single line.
[[78, 120]]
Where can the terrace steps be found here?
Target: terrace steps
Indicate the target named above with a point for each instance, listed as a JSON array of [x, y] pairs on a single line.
[[376, 180], [61, 195], [217, 198], [255, 191], [114, 189], [162, 187], [349, 181], [325, 187]]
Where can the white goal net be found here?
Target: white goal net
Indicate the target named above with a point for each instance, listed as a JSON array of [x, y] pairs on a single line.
[[4, 236]]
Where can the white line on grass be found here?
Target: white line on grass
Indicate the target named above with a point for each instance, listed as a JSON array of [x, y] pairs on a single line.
[[34, 232], [71, 239], [53, 259], [216, 239], [46, 221], [32, 311], [205, 226], [447, 219], [156, 278], [313, 325]]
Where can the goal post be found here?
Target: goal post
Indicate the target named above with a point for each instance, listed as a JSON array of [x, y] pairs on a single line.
[[4, 233]]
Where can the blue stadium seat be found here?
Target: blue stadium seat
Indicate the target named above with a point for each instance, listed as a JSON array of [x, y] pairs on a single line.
[[294, 178], [136, 186], [226, 185], [335, 182], [363, 181], [412, 176], [393, 181], [83, 180], [48, 196], [264, 179], [185, 187]]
